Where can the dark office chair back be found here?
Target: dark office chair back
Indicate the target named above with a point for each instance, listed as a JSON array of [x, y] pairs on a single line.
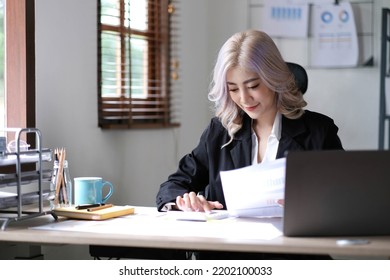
[[300, 74]]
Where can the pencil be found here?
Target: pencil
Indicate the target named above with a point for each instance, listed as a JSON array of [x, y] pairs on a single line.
[[86, 206], [65, 196], [61, 158], [99, 207]]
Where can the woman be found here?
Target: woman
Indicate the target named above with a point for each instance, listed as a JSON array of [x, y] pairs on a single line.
[[259, 117]]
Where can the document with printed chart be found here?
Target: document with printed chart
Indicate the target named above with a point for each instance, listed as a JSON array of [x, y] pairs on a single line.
[[255, 190]]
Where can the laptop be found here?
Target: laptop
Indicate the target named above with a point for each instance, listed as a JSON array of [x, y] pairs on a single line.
[[337, 193]]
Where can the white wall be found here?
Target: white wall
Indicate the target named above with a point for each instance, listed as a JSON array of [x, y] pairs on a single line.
[[137, 161], [349, 96]]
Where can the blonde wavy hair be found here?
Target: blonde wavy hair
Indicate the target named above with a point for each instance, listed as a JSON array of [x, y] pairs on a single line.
[[256, 52]]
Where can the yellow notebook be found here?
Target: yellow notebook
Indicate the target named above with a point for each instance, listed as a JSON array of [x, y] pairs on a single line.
[[103, 214]]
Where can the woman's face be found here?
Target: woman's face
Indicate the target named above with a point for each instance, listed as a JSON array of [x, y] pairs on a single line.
[[249, 92]]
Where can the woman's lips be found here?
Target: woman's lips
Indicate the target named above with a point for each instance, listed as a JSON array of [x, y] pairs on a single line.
[[250, 108]]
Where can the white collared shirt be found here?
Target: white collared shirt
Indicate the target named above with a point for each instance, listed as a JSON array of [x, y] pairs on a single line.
[[272, 142]]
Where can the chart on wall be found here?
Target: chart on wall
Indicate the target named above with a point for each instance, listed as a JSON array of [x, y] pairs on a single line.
[[320, 33], [286, 19], [334, 41]]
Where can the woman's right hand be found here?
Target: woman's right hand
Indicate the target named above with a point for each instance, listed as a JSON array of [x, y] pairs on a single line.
[[198, 203], [280, 202]]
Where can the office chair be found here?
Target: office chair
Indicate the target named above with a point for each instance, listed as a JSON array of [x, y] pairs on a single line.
[[118, 252], [300, 75]]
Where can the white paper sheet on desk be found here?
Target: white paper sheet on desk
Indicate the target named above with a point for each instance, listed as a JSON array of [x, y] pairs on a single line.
[[7, 194], [144, 223], [254, 190]]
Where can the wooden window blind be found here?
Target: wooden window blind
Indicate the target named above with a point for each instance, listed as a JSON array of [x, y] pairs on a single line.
[[135, 64]]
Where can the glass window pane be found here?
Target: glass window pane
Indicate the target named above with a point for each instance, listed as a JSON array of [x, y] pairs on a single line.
[[117, 75], [111, 64], [110, 12], [139, 68], [138, 14]]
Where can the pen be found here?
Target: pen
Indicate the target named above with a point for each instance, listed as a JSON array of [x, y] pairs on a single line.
[[104, 206], [86, 206]]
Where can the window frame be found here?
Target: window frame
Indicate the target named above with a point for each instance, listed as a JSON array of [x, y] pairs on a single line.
[[124, 109], [19, 71], [20, 63]]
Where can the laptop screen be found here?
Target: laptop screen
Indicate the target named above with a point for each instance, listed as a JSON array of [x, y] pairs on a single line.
[[337, 193]]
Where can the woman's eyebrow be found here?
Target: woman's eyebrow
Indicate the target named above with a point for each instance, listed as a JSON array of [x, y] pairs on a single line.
[[245, 82]]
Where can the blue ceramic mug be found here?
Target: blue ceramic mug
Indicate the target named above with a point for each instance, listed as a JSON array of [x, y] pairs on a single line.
[[89, 190]]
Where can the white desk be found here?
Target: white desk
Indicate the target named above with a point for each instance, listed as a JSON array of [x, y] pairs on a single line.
[[150, 229]]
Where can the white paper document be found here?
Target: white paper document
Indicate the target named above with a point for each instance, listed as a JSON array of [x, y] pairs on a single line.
[[7, 194], [254, 190]]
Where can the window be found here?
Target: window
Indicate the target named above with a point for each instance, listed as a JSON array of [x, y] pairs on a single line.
[[17, 70], [135, 64]]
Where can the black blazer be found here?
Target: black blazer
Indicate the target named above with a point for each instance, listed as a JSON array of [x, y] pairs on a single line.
[[199, 171]]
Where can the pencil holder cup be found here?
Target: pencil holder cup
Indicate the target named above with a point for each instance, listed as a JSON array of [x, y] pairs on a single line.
[[60, 186]]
